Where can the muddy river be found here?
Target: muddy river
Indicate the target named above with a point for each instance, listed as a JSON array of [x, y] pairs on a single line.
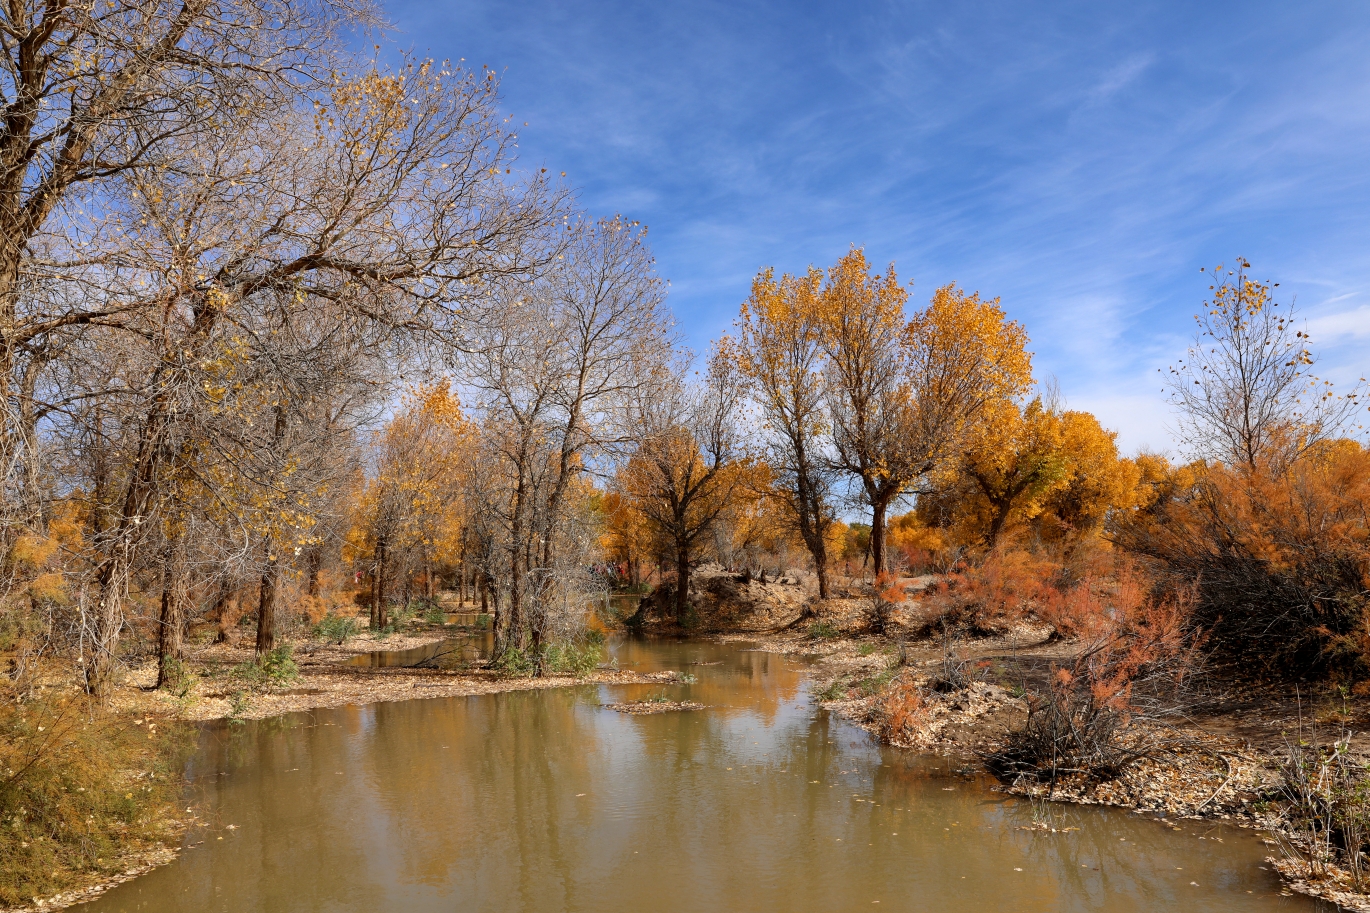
[[546, 801]]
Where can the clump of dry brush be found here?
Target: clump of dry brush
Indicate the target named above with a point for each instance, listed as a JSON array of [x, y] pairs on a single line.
[[1324, 810], [1107, 705]]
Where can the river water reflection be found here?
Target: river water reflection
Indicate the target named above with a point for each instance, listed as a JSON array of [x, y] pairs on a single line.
[[545, 801]]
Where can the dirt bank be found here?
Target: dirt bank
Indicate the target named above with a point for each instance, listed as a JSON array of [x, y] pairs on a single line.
[[327, 680]]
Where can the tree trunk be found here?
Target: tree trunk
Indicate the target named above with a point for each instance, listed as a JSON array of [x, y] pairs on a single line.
[[500, 639], [266, 606], [112, 583], [997, 520], [682, 580], [113, 571], [461, 577], [535, 650], [812, 533], [809, 506], [878, 536], [171, 618], [379, 614], [315, 564], [515, 631], [221, 612]]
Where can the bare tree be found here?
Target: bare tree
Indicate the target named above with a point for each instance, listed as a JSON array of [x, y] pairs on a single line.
[[384, 199], [551, 362], [94, 95], [1245, 390]]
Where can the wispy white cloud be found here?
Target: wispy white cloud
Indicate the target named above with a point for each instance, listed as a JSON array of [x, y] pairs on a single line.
[[1341, 326], [1081, 161], [1124, 74]]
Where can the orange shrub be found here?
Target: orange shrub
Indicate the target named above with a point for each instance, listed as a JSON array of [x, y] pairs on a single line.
[[989, 597], [1280, 555], [899, 712], [1135, 662]]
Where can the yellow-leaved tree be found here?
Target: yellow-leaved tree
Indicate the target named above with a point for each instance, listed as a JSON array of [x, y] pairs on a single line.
[[688, 468], [1060, 470], [862, 315], [967, 366], [409, 517], [780, 352], [907, 399]]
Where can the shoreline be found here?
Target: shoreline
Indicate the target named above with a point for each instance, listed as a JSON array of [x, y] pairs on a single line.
[[1204, 776], [324, 682], [1198, 775]]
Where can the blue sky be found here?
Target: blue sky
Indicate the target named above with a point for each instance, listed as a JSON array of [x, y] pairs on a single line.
[[1080, 160]]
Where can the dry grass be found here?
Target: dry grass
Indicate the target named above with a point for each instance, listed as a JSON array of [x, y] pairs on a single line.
[[80, 790]]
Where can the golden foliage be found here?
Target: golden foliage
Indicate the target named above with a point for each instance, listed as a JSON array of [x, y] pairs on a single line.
[[1280, 551], [967, 362], [414, 500], [1059, 470]]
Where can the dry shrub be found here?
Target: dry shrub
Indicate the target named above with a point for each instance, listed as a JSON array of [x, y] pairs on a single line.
[[1326, 792], [78, 787], [332, 594], [899, 712], [959, 670], [886, 595], [1084, 601], [1079, 596], [1134, 664], [987, 598], [1280, 552], [1072, 611], [230, 613]]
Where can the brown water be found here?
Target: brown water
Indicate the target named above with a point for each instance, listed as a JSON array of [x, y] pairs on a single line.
[[545, 801], [452, 653], [469, 619]]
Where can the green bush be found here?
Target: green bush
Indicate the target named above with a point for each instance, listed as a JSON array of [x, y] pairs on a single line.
[[836, 691], [874, 684], [274, 669], [411, 609], [178, 679], [336, 628], [514, 663], [279, 665], [434, 614], [822, 630], [578, 659]]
